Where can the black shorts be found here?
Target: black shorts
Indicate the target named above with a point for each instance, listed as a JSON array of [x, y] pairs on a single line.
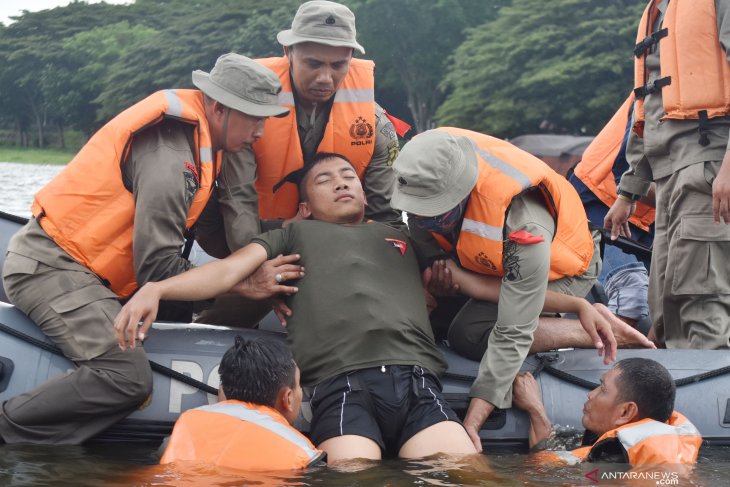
[[387, 404]]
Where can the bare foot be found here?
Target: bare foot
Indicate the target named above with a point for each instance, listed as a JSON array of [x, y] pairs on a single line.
[[626, 335]]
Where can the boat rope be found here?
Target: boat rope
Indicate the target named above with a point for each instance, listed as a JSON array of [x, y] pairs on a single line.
[[157, 367], [546, 358]]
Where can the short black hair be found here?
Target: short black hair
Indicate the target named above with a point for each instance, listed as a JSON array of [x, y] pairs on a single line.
[[254, 370], [649, 384], [309, 165]]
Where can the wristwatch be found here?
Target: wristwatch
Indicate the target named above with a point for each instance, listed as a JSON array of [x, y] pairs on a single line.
[[629, 196]]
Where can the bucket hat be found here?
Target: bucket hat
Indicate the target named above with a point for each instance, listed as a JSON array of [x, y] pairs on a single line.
[[242, 84], [434, 172], [322, 22]]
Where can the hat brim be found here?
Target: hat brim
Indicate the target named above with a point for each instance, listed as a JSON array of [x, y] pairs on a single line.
[[289, 38], [202, 80], [437, 204]]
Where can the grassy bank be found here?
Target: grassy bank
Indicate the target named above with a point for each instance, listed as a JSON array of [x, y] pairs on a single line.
[[35, 156]]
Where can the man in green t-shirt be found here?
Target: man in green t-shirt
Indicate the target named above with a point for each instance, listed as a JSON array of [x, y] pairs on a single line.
[[359, 332]]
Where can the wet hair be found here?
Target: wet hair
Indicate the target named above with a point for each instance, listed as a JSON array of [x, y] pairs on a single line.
[[648, 384], [254, 370]]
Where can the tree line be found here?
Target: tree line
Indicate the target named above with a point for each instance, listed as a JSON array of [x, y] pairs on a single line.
[[503, 67]]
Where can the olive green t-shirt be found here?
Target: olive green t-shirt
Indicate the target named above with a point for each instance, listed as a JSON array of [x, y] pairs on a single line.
[[361, 303]]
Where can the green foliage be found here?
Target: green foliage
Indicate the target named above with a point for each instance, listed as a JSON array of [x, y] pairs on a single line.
[[35, 156], [411, 40], [193, 37], [556, 65], [507, 66]]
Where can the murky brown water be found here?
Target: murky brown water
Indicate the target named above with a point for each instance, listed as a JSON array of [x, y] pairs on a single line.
[[125, 465]]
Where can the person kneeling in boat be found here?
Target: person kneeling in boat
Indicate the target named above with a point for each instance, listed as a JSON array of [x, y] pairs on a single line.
[[630, 417], [501, 213], [359, 330], [114, 218], [250, 428]]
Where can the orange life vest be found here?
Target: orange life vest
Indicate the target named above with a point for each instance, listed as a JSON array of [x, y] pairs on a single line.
[[646, 442], [87, 210], [505, 172], [701, 88], [350, 131], [239, 435], [595, 169]]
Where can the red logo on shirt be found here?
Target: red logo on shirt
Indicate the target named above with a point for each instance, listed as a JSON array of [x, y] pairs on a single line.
[[398, 244], [189, 166]]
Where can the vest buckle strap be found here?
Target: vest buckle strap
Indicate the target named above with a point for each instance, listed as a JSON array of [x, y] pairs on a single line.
[[652, 86], [648, 42], [703, 128]]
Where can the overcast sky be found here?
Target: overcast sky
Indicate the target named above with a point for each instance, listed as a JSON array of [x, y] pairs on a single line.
[[16, 7]]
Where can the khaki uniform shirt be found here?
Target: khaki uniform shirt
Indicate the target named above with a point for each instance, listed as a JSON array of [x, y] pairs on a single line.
[[670, 145], [231, 223], [163, 192]]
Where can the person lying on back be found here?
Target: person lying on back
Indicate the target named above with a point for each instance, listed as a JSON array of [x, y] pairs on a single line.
[[629, 417], [250, 428]]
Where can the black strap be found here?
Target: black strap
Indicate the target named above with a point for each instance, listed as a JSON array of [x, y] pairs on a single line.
[[293, 177], [643, 46], [652, 86], [546, 359], [189, 241], [623, 243], [167, 371], [13, 218], [703, 128]]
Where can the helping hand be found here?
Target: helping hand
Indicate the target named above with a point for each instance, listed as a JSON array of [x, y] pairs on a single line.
[[721, 192], [141, 307], [267, 280], [600, 331], [281, 310], [526, 392], [476, 415], [617, 218], [438, 280]]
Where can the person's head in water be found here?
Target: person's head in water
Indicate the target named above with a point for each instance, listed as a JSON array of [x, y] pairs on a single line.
[[261, 371], [330, 190], [634, 389]]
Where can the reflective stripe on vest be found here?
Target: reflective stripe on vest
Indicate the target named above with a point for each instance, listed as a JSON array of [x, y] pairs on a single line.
[[265, 421], [350, 131], [504, 173], [679, 429], [89, 212], [175, 109], [595, 169], [703, 82], [240, 435], [649, 442]]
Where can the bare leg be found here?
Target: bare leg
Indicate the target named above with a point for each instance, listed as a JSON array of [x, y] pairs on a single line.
[[348, 447], [555, 333], [444, 437]]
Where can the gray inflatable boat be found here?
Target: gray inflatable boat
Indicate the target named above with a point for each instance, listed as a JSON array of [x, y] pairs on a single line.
[[181, 352], [185, 359]]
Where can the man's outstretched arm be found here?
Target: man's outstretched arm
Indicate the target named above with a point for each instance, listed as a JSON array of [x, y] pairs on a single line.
[[204, 282], [487, 288]]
